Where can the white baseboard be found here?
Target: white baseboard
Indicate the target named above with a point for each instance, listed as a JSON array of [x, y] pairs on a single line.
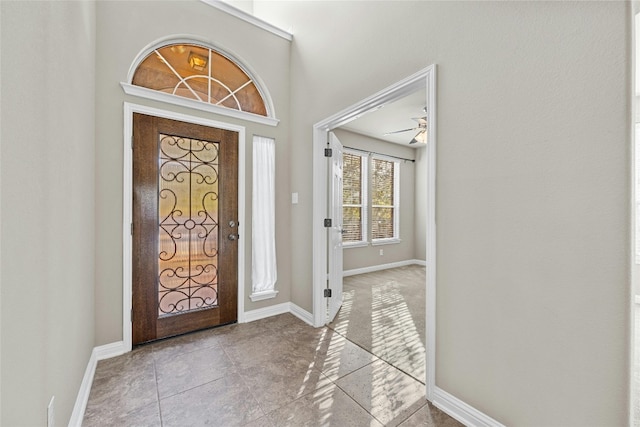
[[382, 267], [83, 394], [301, 314], [108, 351], [261, 313], [456, 408], [98, 353], [274, 310]]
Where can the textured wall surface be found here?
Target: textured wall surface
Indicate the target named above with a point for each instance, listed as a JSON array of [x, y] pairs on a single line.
[[47, 268], [532, 186]]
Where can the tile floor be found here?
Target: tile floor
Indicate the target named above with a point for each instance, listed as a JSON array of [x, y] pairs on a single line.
[[384, 313], [273, 372]]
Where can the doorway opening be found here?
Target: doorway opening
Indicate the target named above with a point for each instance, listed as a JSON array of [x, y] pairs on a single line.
[[326, 277]]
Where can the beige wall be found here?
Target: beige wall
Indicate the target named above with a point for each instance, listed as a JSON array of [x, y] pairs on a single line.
[[47, 230], [532, 186], [361, 257], [120, 38], [532, 180]]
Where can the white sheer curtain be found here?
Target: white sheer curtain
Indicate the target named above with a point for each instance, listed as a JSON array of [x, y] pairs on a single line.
[[263, 231]]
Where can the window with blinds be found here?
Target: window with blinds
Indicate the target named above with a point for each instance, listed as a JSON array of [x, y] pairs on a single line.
[[376, 180], [384, 199], [353, 198]]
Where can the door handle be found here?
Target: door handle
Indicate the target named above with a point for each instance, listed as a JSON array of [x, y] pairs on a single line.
[[233, 236]]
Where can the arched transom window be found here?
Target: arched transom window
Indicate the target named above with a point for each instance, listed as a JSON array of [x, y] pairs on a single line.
[[202, 74]]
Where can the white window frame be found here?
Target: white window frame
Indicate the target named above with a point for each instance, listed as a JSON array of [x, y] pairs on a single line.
[[396, 203], [364, 191], [167, 98]]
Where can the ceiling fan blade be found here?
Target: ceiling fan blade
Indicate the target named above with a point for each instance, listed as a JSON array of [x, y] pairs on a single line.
[[418, 137], [400, 131]]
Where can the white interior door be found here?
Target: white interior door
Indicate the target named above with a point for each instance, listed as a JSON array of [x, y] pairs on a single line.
[[335, 231]]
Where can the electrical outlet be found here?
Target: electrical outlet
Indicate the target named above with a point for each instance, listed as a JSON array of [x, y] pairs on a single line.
[[51, 416], [381, 252]]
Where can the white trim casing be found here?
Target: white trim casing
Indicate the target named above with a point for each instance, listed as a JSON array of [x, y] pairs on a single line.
[[168, 98], [127, 205], [389, 241], [259, 296], [462, 412], [431, 232], [251, 19], [270, 119], [418, 81]]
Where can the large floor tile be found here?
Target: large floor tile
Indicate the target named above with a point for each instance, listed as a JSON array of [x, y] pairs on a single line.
[[224, 402], [262, 350], [165, 349], [300, 375], [241, 332], [384, 391], [384, 313], [144, 416], [276, 384], [183, 371], [341, 357], [328, 406], [121, 385]]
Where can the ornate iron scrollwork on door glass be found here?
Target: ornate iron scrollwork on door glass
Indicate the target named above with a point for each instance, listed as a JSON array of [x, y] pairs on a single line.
[[188, 225]]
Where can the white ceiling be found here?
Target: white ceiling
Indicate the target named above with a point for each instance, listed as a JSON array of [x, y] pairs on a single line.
[[393, 116]]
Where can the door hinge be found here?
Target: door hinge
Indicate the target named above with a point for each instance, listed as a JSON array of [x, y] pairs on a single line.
[[132, 315], [327, 293], [132, 229], [328, 152], [327, 222]]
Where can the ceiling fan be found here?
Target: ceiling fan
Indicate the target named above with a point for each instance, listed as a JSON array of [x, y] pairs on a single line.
[[421, 136]]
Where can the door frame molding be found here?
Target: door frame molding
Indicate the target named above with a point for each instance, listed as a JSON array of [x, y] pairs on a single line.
[[320, 203], [127, 204]]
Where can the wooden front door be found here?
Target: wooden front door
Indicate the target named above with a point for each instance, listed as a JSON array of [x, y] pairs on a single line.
[[185, 227]]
